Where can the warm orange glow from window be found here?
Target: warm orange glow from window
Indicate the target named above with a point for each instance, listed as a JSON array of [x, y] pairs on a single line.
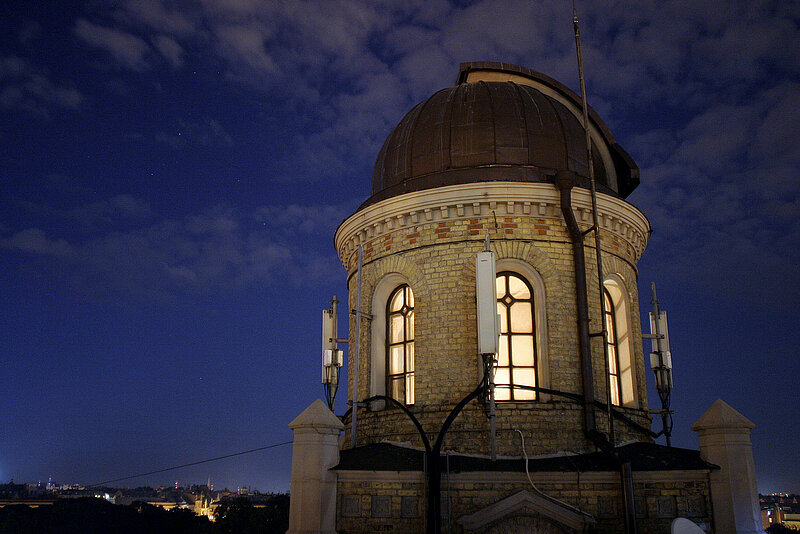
[[400, 345], [516, 358], [613, 352]]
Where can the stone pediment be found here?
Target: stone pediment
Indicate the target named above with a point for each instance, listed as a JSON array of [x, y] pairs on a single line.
[[526, 503]]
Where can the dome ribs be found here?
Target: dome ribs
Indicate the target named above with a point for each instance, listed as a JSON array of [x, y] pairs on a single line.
[[471, 121], [486, 130], [547, 145], [514, 145], [431, 137], [398, 164]]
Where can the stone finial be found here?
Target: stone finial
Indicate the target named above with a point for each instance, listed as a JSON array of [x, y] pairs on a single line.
[[312, 509], [721, 415], [725, 441], [317, 415]]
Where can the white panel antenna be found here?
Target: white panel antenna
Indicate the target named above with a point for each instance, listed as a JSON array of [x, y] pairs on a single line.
[[488, 320], [331, 355], [661, 356]]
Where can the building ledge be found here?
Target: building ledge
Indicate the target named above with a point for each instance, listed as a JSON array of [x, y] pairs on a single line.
[[643, 457]]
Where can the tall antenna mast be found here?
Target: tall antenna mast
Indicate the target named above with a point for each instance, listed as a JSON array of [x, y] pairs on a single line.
[[595, 222]]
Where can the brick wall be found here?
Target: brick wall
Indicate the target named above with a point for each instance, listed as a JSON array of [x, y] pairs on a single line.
[[395, 502], [437, 257]]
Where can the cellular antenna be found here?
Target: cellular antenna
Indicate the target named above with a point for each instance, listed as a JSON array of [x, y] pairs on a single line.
[[331, 354]]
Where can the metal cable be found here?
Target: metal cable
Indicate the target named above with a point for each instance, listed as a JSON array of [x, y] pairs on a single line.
[[189, 464]]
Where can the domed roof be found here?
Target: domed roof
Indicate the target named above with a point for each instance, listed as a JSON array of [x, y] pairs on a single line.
[[500, 123]]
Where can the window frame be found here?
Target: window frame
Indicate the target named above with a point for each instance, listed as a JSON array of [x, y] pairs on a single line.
[[406, 375], [614, 286], [381, 291], [510, 334], [612, 348]]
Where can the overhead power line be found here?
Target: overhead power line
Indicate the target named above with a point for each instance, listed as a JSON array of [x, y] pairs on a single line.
[[189, 464]]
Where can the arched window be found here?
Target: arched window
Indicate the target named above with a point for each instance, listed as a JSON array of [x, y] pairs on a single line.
[[612, 349], [618, 341], [516, 358], [400, 345]]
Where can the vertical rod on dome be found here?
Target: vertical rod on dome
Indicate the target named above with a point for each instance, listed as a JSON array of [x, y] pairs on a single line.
[[595, 221], [354, 418]]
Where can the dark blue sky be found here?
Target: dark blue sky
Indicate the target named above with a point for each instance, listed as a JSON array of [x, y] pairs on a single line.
[[172, 174]]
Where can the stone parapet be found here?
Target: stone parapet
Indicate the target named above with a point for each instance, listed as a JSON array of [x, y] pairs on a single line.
[[725, 441], [315, 450]]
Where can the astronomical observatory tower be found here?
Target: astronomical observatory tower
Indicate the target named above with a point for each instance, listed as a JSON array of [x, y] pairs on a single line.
[[526, 414]]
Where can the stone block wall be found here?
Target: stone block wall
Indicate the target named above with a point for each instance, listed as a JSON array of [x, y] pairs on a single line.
[[395, 502]]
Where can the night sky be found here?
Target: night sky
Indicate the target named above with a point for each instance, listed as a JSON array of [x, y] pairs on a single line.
[[171, 175]]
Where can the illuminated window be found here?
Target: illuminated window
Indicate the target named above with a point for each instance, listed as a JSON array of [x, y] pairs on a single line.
[[400, 345], [612, 349], [516, 357], [618, 335]]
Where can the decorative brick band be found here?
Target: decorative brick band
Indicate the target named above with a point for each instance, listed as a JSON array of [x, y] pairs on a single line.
[[505, 199]]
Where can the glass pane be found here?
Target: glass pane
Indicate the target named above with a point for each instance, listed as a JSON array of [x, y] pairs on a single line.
[[521, 319], [397, 301], [500, 379], [502, 351], [612, 360], [410, 388], [614, 392], [410, 325], [396, 360], [518, 288], [500, 286], [502, 311], [410, 298], [409, 357], [395, 328], [501, 376], [611, 336], [398, 389], [522, 350], [524, 377]]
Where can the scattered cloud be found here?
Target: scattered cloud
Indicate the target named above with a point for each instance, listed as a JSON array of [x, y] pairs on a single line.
[[34, 241], [245, 44], [205, 133], [170, 49], [23, 86], [159, 16], [94, 215], [129, 50], [219, 249], [710, 113]]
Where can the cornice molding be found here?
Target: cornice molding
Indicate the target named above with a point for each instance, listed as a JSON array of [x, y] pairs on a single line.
[[506, 199]]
